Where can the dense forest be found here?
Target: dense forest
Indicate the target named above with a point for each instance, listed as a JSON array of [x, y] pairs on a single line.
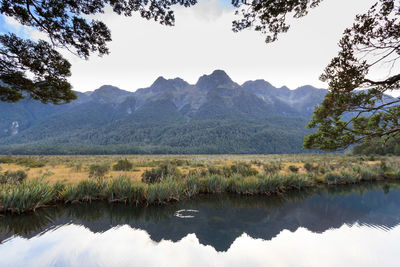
[[213, 116]]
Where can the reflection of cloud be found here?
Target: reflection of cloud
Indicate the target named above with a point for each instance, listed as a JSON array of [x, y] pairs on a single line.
[[74, 245]]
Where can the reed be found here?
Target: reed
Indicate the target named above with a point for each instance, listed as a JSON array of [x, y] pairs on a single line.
[[27, 196], [192, 186], [32, 194], [246, 186], [212, 184], [86, 190], [270, 184], [13, 177], [160, 193], [122, 189], [293, 181]]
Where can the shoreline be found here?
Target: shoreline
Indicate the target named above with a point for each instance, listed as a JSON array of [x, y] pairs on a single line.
[[38, 193]]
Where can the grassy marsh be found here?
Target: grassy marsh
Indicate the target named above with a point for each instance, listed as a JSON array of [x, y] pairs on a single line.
[[152, 180]]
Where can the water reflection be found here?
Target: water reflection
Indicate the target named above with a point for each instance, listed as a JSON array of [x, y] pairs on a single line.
[[327, 227]]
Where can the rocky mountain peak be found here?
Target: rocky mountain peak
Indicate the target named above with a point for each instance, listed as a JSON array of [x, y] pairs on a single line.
[[159, 82], [258, 86], [217, 79], [163, 85], [109, 94]]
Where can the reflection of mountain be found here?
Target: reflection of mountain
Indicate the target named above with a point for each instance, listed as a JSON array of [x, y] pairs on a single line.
[[221, 219]]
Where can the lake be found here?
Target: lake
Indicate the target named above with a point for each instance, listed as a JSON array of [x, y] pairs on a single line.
[[329, 226]]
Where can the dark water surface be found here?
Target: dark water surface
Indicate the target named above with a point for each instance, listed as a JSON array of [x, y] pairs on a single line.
[[335, 226]]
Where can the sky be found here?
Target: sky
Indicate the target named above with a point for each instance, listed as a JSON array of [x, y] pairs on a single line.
[[202, 41]]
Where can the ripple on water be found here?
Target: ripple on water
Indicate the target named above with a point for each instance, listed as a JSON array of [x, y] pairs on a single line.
[[185, 214]]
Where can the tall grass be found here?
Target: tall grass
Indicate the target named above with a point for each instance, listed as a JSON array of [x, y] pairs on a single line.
[[27, 196], [32, 194], [86, 190], [160, 193], [122, 189]]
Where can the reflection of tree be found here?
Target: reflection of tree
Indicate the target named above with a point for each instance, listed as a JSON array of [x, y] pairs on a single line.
[[222, 218]]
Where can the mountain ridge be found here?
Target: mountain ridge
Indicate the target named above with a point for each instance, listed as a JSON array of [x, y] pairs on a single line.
[[214, 115]]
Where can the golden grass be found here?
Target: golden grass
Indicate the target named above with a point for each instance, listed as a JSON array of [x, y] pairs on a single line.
[[64, 168], [62, 173]]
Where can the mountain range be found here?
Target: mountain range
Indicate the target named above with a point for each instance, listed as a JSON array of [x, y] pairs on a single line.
[[215, 115]]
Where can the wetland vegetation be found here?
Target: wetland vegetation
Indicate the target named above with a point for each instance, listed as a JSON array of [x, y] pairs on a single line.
[[214, 228], [29, 183]]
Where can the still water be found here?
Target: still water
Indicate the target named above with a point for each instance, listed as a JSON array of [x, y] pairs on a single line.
[[336, 226]]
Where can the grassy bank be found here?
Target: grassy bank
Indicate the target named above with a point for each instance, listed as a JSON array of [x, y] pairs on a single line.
[[165, 182]]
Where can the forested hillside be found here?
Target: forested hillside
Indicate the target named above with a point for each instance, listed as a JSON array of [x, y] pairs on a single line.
[[215, 115]]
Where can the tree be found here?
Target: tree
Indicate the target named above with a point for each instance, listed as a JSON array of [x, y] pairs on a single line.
[[37, 69], [373, 42], [355, 109], [269, 16]]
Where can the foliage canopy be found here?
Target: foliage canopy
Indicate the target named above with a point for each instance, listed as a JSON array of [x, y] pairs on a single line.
[[36, 68], [373, 42], [355, 108]]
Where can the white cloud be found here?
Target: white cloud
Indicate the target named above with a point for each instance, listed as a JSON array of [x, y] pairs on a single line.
[[210, 10], [202, 41]]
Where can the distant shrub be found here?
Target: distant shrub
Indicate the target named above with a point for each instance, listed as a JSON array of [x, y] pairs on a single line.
[[256, 162], [384, 166], [213, 170], [180, 162], [162, 172], [98, 171], [123, 165], [30, 162], [272, 167], [6, 160], [243, 169], [13, 177], [293, 168], [310, 167]]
